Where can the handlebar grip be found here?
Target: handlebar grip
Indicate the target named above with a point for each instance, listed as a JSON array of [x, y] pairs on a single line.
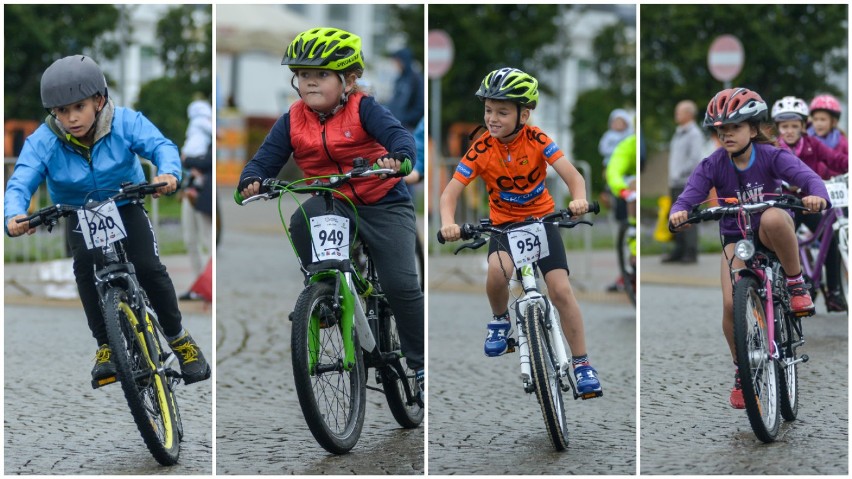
[[238, 197], [441, 238], [594, 207], [35, 221], [405, 168]]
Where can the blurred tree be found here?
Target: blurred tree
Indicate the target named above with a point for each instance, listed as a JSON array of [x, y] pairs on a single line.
[[186, 32], [789, 50], [490, 36], [615, 64], [37, 35], [408, 18]]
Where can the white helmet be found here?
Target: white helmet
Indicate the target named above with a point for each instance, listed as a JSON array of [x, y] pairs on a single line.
[[790, 108]]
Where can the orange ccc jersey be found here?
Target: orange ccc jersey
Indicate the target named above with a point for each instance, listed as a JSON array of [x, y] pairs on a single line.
[[513, 173]]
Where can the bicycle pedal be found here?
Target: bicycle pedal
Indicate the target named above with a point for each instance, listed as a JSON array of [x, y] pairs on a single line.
[[510, 345], [591, 395], [99, 383], [804, 314]]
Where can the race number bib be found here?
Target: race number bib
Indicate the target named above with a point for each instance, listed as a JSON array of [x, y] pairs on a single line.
[[330, 237], [101, 225], [838, 194], [528, 244]]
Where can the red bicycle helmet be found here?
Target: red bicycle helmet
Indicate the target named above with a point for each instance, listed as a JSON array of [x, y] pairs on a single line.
[[734, 105], [827, 103]]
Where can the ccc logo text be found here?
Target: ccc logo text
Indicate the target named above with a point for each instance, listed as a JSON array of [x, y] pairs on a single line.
[[482, 145]]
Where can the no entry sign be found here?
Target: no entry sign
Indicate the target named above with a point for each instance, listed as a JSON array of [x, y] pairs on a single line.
[[725, 58], [440, 53]]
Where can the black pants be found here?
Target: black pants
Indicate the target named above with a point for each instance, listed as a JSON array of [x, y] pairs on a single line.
[[832, 259], [686, 241], [390, 232], [142, 250]]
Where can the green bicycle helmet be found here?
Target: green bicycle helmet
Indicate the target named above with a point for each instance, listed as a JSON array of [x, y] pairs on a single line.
[[325, 48], [510, 84]]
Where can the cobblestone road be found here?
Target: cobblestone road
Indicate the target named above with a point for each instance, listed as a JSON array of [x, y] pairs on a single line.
[[55, 423], [687, 425], [482, 422], [259, 427]]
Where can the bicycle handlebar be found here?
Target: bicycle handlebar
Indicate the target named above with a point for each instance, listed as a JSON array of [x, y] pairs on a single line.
[[716, 213], [272, 188], [470, 231], [50, 214]]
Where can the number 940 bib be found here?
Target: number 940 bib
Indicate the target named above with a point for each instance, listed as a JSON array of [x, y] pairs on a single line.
[[101, 225]]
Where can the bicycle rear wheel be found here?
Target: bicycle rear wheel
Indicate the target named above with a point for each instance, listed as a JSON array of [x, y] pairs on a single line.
[[332, 399], [148, 390], [548, 386], [407, 413], [758, 371], [788, 377], [626, 259]]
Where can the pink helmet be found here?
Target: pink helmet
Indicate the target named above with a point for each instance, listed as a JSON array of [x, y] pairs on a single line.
[[827, 103]]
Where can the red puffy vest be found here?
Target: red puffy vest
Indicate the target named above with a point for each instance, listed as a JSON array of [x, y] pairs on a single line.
[[323, 148]]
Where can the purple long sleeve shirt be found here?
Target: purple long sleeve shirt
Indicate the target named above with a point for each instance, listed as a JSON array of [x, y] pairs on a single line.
[[766, 169]]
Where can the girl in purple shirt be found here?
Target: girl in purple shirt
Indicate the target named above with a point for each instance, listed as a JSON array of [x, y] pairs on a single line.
[[747, 167]]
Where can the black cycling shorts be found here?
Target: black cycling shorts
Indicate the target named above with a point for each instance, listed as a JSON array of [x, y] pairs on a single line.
[[555, 260]]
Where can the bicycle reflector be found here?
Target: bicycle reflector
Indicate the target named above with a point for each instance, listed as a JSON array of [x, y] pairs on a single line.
[[744, 249]]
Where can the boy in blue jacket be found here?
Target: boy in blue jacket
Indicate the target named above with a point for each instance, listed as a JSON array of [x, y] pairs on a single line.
[[86, 149]]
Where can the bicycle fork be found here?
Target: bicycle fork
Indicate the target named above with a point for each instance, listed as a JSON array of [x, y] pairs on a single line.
[[554, 331]]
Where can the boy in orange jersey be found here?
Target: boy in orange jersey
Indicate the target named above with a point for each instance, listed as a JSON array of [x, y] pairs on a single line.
[[512, 159]]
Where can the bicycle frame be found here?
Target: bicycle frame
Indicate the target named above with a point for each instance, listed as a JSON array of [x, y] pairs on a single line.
[[831, 222], [527, 275]]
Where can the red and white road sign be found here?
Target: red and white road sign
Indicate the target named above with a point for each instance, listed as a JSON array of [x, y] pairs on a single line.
[[725, 58]]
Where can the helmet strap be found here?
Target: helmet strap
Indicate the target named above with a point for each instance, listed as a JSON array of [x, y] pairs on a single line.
[[740, 152]]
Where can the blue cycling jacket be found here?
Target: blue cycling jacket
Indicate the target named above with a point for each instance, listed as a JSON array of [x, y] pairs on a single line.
[[73, 171]]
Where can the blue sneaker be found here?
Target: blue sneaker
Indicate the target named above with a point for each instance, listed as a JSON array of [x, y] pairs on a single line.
[[420, 378], [588, 385], [495, 342]]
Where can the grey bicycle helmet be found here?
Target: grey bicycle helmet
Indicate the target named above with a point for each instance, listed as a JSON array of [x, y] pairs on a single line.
[[71, 79]]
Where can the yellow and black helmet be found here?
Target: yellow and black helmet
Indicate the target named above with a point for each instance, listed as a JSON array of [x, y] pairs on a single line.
[[325, 48], [510, 84]]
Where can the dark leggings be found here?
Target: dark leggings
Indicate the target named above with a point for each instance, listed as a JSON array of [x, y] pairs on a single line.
[[142, 251], [390, 232]]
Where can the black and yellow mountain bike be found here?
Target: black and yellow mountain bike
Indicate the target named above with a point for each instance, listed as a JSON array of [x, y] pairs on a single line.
[[145, 370]]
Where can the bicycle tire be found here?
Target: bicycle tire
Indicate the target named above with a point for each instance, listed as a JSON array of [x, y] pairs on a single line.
[[148, 393], [407, 415], [546, 380], [625, 261], [332, 402], [788, 376], [758, 372]]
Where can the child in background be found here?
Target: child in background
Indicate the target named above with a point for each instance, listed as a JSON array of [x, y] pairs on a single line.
[[825, 114]]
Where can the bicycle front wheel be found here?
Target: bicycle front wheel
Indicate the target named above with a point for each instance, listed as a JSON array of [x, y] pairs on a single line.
[[332, 397], [147, 389], [545, 372], [758, 371], [626, 260], [405, 410]]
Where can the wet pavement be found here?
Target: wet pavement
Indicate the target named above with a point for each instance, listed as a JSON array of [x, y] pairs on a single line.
[[259, 425], [480, 419], [55, 423], [687, 424]]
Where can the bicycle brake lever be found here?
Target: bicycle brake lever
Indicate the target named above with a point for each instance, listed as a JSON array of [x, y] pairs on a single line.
[[475, 244]]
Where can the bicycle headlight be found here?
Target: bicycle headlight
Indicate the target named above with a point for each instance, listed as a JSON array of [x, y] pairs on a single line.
[[744, 249]]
